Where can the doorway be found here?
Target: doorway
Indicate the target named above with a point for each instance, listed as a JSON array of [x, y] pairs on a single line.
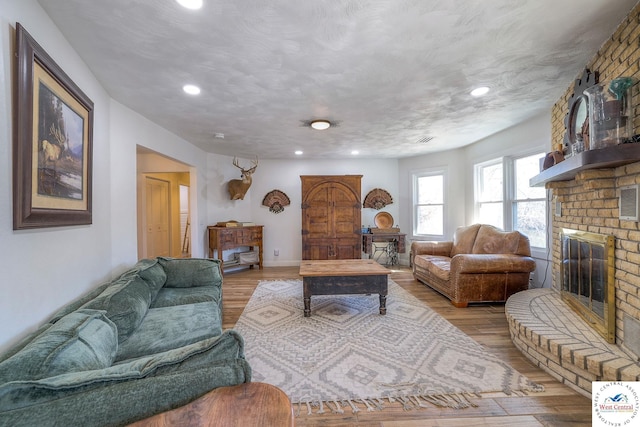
[[164, 206]]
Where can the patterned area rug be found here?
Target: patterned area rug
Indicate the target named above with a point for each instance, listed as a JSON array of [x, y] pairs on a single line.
[[346, 356]]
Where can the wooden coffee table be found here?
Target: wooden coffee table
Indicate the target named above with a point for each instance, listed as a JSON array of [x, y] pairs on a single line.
[[345, 276]]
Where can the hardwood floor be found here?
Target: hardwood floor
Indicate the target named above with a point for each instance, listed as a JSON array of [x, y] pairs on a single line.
[[557, 406]]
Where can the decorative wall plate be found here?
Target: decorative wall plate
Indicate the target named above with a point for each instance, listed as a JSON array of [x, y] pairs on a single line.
[[377, 199], [383, 220], [276, 200]]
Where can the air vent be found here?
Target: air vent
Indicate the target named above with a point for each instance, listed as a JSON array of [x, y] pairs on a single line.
[[629, 203], [425, 139]]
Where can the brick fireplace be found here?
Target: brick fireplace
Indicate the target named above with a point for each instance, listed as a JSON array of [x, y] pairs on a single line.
[[546, 329], [542, 325], [590, 201]]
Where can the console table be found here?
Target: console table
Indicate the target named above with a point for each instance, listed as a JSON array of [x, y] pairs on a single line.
[[224, 238], [397, 238]]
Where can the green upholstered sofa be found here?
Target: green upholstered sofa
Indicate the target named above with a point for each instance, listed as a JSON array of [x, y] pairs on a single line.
[[147, 342]]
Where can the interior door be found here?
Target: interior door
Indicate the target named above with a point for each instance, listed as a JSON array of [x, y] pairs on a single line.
[[158, 218]]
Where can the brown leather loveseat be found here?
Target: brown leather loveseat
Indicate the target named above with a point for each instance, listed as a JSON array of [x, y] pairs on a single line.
[[481, 264]]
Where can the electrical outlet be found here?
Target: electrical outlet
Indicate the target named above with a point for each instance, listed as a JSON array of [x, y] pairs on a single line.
[[276, 252]]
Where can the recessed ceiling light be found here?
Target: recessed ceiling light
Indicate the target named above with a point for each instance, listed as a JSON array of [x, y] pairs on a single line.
[[298, 152], [320, 124], [355, 152], [191, 89], [190, 4], [479, 91]]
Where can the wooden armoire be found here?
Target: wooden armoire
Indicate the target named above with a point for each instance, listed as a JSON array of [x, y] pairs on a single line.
[[331, 206]]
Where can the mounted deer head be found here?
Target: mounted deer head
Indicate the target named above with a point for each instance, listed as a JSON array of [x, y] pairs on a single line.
[[238, 187]]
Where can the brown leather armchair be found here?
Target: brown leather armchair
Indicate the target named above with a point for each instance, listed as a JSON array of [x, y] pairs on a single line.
[[481, 264]]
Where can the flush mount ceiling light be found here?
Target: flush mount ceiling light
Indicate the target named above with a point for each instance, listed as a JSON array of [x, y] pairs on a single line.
[[298, 152], [190, 4], [191, 89], [320, 124], [479, 91]]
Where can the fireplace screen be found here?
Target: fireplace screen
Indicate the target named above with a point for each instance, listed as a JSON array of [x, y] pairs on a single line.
[[588, 278]]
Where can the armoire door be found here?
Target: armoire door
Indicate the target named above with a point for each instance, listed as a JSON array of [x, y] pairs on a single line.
[[331, 216]]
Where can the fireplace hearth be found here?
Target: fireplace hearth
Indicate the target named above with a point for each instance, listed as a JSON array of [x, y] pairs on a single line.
[[587, 278]]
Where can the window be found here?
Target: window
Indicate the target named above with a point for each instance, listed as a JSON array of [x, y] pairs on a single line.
[[489, 193], [529, 204], [428, 202], [503, 197]]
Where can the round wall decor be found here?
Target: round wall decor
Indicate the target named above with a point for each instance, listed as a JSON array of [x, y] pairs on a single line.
[[377, 199], [276, 200]]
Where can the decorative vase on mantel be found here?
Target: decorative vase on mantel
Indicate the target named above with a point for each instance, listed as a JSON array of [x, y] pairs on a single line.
[[610, 113]]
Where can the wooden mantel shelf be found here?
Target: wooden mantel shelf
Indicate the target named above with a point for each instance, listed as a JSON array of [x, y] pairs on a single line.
[[603, 158]]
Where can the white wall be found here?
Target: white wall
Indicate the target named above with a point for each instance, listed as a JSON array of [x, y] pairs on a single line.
[[282, 231], [45, 268], [128, 130], [529, 137]]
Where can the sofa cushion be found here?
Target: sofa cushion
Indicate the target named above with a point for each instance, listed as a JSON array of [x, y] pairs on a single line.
[[168, 328], [81, 341], [179, 296], [491, 240], [126, 302], [463, 239], [153, 273], [190, 272], [439, 266]]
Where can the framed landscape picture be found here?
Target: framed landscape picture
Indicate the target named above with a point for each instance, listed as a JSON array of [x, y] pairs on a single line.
[[53, 138]]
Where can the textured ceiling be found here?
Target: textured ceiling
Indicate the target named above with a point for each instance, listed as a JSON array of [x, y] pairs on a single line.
[[390, 72]]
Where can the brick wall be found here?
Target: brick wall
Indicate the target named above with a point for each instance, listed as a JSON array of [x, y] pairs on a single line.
[[590, 201]]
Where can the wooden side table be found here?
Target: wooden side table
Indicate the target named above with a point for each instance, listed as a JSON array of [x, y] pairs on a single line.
[[223, 238], [251, 404]]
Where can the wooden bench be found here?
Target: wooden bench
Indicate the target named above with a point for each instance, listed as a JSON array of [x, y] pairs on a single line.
[[250, 404]]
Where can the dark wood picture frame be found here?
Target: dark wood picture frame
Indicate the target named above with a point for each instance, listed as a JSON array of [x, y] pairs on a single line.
[[53, 142]]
